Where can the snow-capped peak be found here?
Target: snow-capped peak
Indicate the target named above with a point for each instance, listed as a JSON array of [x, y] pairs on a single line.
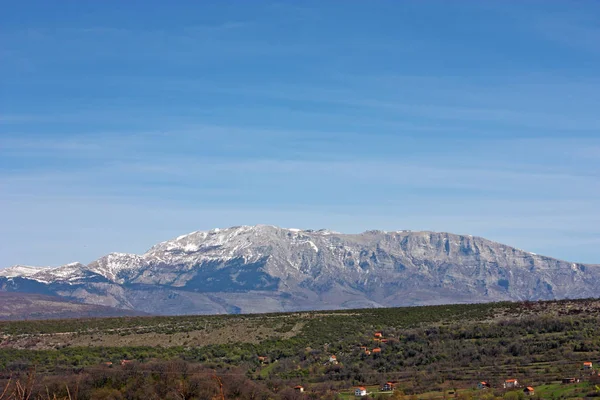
[[45, 274], [21, 270], [113, 264]]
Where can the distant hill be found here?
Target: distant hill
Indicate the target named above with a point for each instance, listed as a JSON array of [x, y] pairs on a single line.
[[19, 306], [255, 269]]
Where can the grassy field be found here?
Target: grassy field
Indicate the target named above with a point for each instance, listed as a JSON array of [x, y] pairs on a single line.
[[558, 390], [371, 390]]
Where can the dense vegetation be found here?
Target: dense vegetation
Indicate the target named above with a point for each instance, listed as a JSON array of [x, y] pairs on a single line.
[[425, 350]]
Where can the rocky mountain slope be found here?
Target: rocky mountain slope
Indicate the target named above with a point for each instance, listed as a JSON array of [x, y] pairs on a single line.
[[266, 268]]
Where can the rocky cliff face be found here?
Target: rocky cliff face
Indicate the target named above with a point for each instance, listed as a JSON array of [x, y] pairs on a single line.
[[265, 268]]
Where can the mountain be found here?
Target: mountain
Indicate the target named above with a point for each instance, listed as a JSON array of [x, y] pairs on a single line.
[[265, 269], [16, 306]]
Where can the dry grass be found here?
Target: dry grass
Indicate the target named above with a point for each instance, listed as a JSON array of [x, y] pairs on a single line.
[[233, 332]]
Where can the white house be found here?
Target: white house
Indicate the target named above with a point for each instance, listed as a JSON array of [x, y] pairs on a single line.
[[333, 359], [360, 391], [510, 383]]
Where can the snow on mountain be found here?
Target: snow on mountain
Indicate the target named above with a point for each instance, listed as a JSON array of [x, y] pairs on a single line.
[[116, 266], [266, 268], [68, 272], [20, 270]]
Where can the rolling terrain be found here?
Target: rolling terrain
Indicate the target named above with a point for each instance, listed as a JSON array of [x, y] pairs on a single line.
[[18, 306], [427, 351], [257, 269]]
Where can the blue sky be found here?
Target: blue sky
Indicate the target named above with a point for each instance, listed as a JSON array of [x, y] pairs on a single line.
[[123, 124]]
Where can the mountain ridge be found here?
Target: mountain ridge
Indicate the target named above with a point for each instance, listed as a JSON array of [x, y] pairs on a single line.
[[265, 268]]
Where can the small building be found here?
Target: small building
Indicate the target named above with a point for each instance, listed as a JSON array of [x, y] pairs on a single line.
[[483, 385], [360, 391], [388, 387], [383, 340], [126, 362], [333, 359], [588, 365], [378, 335], [263, 359], [299, 388], [107, 364], [529, 391], [376, 350], [368, 352], [511, 383], [567, 381]]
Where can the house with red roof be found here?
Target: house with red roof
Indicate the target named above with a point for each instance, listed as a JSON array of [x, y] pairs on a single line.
[[483, 385], [360, 391], [529, 391], [511, 383]]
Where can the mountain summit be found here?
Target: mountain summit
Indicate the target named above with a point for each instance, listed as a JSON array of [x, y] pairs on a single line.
[[265, 268]]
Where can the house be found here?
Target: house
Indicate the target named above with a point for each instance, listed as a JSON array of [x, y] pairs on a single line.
[[376, 350], [529, 391], [263, 359], [388, 387], [511, 383], [383, 340], [363, 348], [483, 385], [378, 335], [570, 380], [333, 359], [126, 362], [299, 388], [588, 365], [107, 364], [368, 352], [360, 391]]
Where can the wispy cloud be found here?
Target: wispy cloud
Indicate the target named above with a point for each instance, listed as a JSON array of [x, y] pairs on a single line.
[[102, 169], [130, 130]]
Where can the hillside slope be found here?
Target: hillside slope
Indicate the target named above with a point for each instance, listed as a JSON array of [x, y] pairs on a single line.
[[18, 306]]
